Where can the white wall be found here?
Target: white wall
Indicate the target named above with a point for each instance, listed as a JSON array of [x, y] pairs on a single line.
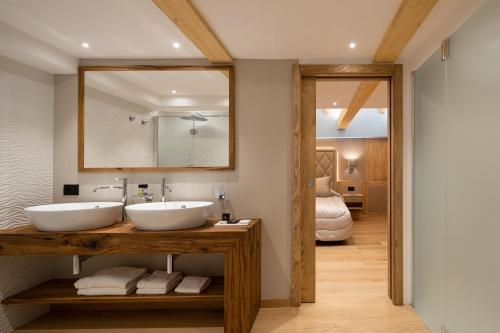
[[111, 139], [259, 187], [26, 160]]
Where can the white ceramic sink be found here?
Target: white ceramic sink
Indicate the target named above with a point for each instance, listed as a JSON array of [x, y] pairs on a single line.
[[171, 215], [76, 216]]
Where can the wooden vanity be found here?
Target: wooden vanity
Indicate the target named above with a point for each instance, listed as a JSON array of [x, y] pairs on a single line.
[[238, 291]]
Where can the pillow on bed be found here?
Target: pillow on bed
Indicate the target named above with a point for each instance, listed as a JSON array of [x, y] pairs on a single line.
[[323, 187]]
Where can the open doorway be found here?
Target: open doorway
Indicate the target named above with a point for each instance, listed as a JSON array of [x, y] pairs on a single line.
[[351, 190], [389, 222]]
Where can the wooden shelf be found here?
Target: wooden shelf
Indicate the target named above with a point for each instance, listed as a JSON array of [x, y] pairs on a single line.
[[131, 321], [63, 292]]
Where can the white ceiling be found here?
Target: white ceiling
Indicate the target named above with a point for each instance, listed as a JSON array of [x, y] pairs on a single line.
[[342, 91], [308, 30], [258, 29], [183, 82], [113, 28], [299, 29], [153, 89]]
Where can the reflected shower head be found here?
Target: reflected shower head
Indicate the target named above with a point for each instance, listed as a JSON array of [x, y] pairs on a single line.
[[194, 116]]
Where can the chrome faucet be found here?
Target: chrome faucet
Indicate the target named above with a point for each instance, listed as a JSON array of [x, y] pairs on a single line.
[[164, 187], [124, 194]]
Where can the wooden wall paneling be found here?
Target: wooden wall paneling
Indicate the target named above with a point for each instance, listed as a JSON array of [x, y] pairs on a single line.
[[307, 148], [346, 148], [376, 197], [376, 167]]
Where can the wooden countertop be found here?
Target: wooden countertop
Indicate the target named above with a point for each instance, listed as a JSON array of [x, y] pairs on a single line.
[[120, 238]]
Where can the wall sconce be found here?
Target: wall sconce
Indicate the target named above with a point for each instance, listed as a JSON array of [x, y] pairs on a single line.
[[351, 164]]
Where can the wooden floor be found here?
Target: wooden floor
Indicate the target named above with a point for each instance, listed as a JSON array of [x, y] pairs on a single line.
[[351, 293], [351, 298]]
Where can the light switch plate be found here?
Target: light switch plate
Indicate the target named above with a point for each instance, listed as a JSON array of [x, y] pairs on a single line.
[[71, 189]]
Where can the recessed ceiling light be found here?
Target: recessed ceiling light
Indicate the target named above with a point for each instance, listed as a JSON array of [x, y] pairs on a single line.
[[85, 45], [176, 45], [352, 45], [334, 103], [174, 91]]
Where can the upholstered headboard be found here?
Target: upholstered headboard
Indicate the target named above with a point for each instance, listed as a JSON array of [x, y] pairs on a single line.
[[325, 164]]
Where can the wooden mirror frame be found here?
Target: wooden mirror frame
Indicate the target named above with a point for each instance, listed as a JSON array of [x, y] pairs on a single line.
[[81, 113]]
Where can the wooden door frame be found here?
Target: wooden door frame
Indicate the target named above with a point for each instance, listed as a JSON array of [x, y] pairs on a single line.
[[394, 74]]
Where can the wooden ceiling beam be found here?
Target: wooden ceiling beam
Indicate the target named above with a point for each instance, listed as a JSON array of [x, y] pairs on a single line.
[[408, 18], [187, 18], [364, 91]]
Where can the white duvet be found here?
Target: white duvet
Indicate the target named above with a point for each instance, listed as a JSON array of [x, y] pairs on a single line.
[[333, 219]]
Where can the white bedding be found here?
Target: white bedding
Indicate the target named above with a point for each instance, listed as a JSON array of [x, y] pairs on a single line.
[[333, 219]]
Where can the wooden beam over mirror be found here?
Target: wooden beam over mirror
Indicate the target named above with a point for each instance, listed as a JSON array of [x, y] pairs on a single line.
[[187, 18], [408, 18]]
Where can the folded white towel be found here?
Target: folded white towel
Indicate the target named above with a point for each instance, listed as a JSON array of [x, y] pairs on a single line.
[[104, 291], [122, 277], [160, 280], [152, 291], [193, 285]]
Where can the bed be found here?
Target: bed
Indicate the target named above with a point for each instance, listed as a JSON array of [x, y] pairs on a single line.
[[333, 219]]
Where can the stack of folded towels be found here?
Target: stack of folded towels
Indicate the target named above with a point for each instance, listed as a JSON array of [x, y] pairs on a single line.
[[123, 280], [110, 281], [158, 283], [193, 285]]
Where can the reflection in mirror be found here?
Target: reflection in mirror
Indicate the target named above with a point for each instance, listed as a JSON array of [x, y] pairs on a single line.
[[193, 140], [156, 118]]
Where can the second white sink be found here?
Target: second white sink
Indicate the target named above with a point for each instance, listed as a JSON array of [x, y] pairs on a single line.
[[171, 215]]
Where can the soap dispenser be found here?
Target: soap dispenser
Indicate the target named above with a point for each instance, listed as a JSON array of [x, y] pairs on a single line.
[[223, 203]]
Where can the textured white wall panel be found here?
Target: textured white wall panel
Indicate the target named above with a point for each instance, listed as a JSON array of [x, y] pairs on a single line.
[[26, 174]]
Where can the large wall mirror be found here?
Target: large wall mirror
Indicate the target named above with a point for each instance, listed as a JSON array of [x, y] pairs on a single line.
[[150, 118]]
